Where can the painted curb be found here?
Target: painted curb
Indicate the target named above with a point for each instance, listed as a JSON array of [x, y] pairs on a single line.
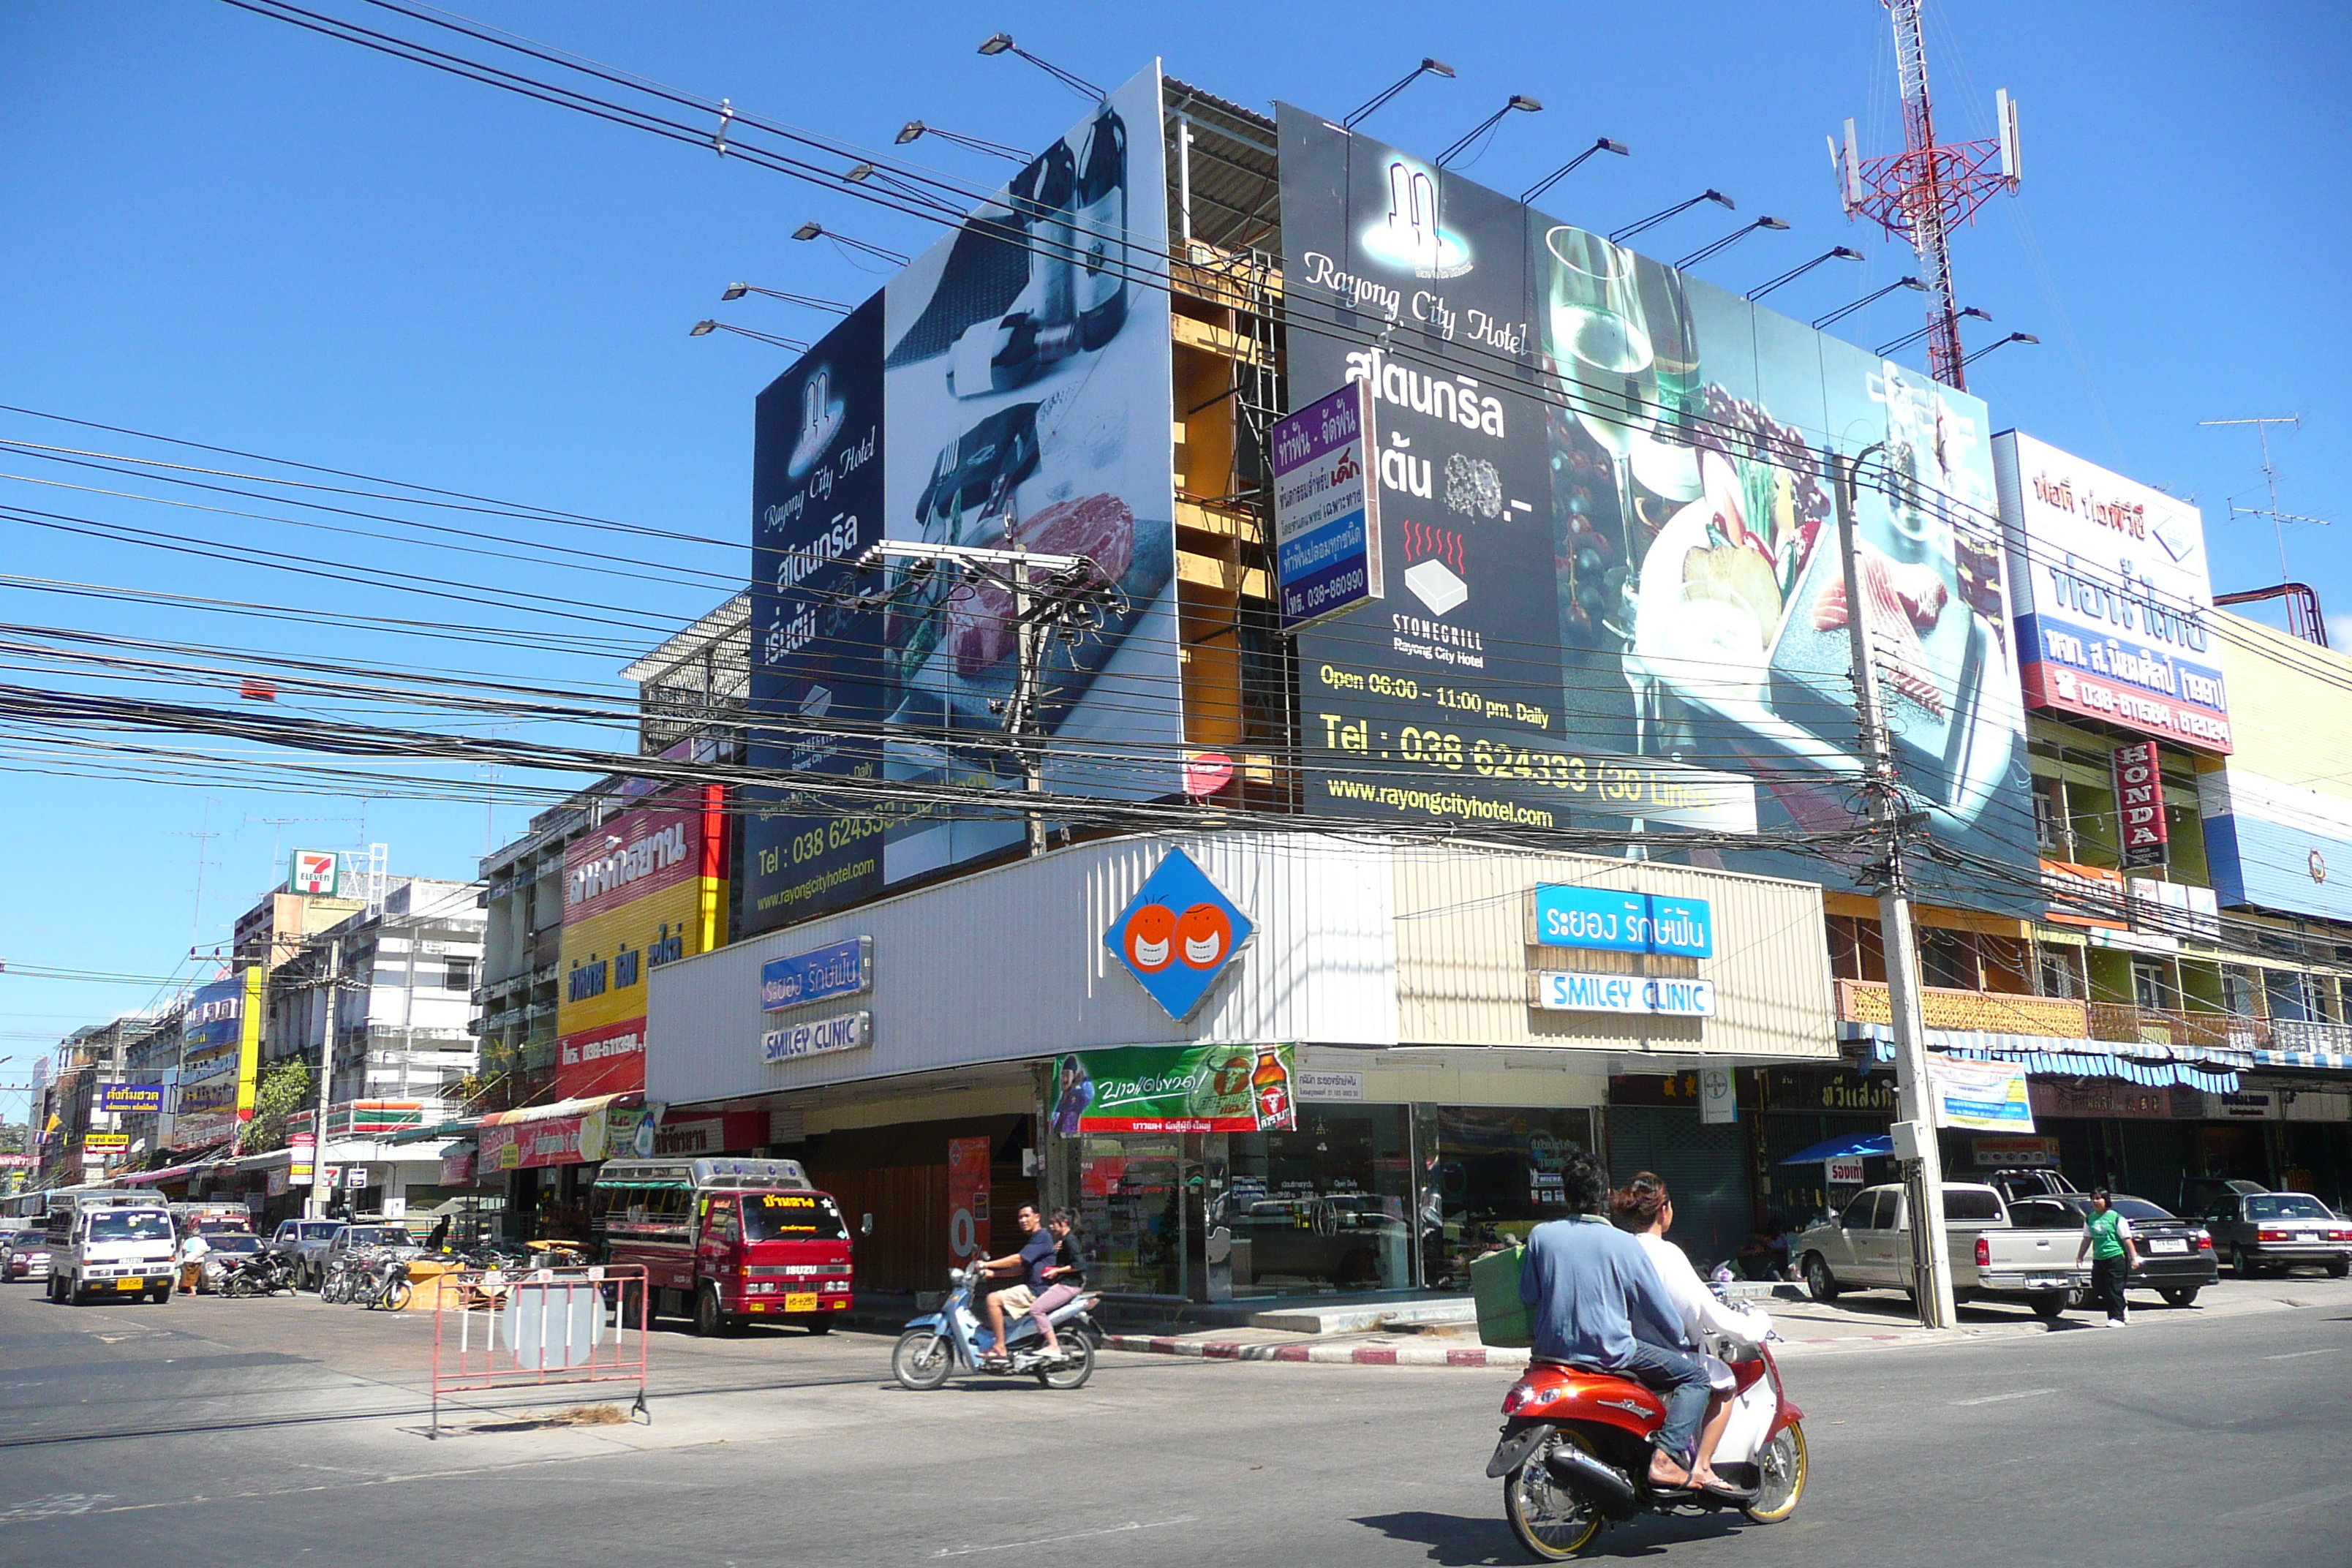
[[1322, 1354]]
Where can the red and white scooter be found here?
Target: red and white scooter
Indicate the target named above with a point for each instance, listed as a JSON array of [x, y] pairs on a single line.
[[1575, 1453]]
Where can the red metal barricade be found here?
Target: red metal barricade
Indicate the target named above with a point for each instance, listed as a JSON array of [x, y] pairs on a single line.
[[537, 1328]]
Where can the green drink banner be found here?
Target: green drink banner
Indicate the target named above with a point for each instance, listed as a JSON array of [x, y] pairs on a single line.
[[1178, 1088]]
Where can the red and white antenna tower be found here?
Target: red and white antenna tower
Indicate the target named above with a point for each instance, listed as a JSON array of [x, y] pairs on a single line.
[[1923, 193]]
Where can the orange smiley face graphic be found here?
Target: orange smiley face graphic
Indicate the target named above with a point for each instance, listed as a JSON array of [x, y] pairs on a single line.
[[1149, 938], [1203, 935]]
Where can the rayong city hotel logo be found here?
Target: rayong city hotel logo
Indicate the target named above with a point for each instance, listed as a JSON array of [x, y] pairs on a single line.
[[1410, 235]]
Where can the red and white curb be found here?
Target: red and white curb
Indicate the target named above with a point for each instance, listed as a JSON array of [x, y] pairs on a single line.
[[1323, 1355]]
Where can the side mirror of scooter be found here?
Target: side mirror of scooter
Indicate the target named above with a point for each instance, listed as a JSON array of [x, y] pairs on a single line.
[[866, 1224]]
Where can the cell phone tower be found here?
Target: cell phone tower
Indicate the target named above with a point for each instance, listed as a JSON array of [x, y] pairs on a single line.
[[1923, 193]]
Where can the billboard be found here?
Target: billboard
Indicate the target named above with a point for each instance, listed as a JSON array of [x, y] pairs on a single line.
[[1603, 494], [644, 889], [1327, 522], [2113, 596], [2278, 816], [1022, 369], [212, 1038]]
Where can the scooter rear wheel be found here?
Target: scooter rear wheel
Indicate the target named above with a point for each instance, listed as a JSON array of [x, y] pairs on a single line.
[[921, 1360], [1073, 1373], [1551, 1521], [1783, 1467]]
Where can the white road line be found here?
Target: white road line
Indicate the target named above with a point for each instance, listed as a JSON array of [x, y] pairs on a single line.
[[2017, 1393], [1050, 1539], [2298, 1355]]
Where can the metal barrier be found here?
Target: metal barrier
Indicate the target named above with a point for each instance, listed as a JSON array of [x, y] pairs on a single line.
[[534, 1328]]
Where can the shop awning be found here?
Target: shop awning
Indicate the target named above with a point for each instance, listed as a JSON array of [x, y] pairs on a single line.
[[168, 1173], [460, 1127], [1846, 1147], [559, 1108], [2331, 1061], [2151, 1066]]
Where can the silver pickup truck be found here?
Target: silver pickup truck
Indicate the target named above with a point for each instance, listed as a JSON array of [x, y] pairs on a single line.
[[1868, 1247]]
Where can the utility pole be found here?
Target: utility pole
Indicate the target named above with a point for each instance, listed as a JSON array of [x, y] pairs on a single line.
[[1073, 596], [1923, 1176], [316, 1207]]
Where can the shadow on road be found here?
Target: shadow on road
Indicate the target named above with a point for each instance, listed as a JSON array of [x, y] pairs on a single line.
[[1457, 1542]]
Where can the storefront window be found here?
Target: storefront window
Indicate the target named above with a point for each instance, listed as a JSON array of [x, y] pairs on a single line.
[[1490, 1174], [1324, 1208], [1130, 1210]]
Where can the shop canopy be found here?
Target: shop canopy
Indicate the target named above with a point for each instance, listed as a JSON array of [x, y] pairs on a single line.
[[460, 1127], [1847, 1146], [595, 1102], [2149, 1065], [169, 1172]]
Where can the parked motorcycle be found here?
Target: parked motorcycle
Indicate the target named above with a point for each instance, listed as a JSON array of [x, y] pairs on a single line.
[[265, 1273], [939, 1343], [385, 1283], [1575, 1452]]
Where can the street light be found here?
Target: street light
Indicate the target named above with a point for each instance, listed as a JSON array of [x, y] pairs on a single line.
[[1908, 339], [1426, 68], [1842, 311], [1003, 44], [915, 129], [1705, 251], [1549, 181], [1519, 101], [703, 329], [2012, 338], [1629, 230], [1841, 253], [816, 230], [735, 292]]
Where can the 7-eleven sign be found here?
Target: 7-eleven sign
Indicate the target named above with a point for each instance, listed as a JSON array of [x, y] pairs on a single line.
[[314, 872]]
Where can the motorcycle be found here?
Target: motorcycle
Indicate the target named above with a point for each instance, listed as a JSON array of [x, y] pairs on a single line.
[[265, 1273], [936, 1345], [1575, 1452]]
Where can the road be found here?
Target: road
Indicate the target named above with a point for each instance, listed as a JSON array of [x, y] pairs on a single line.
[[221, 1431]]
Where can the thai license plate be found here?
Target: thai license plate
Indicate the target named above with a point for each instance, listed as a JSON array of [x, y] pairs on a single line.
[[801, 1302], [130, 1284], [2173, 1243]]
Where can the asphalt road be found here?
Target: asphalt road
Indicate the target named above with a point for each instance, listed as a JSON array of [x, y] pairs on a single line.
[[212, 1432]]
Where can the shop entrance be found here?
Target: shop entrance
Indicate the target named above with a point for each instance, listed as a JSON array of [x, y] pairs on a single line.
[[1490, 1174], [1705, 1165], [1322, 1209]]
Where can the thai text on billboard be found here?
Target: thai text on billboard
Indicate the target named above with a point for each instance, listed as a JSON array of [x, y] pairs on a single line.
[[1326, 530]]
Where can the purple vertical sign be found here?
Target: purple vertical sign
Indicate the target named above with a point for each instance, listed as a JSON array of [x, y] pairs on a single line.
[[1327, 524]]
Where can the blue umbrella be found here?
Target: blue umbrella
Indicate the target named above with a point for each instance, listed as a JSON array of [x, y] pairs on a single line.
[[1843, 1148]]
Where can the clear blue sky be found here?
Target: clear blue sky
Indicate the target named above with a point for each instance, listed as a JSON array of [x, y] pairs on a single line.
[[222, 228]]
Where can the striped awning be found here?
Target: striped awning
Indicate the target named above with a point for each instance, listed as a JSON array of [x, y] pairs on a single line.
[[2331, 1061], [2150, 1066]]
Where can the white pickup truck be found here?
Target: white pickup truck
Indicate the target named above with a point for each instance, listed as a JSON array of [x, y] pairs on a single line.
[[1868, 1247]]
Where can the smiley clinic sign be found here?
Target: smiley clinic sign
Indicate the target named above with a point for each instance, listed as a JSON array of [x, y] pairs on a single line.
[[1178, 934]]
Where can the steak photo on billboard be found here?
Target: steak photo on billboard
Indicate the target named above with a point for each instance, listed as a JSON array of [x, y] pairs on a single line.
[[1604, 493]]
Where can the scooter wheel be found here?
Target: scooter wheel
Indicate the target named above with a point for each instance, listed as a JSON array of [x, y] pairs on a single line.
[[1551, 1521], [1074, 1371], [921, 1360], [1783, 1467]]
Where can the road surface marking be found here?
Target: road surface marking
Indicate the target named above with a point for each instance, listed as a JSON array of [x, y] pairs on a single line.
[[1997, 1398], [2298, 1355], [1050, 1539]]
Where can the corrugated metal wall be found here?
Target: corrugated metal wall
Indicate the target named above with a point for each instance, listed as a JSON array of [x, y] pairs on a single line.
[[1462, 959]]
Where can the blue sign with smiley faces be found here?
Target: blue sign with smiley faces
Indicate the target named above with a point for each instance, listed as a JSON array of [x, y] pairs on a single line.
[[1178, 934]]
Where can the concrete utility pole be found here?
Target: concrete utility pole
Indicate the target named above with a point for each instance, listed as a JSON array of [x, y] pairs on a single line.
[[315, 1206], [1074, 595], [1915, 1137]]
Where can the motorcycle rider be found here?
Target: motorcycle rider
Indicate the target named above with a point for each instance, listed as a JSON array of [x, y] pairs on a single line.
[[1064, 1277], [1013, 1282], [1587, 1284]]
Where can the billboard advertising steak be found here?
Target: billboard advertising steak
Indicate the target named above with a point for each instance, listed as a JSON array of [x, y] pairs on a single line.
[[1617, 602]]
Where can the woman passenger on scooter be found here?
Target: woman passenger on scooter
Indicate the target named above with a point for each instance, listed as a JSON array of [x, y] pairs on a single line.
[[1643, 1206], [1065, 1277]]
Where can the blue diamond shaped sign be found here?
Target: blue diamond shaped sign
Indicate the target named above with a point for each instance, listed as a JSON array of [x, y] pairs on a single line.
[[1178, 934]]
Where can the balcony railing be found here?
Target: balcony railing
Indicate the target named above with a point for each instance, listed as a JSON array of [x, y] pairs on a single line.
[[2116, 1023]]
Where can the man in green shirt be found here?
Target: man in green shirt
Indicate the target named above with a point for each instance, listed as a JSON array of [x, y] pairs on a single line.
[[2107, 1238]]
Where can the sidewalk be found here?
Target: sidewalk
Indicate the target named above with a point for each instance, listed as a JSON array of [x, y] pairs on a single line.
[[1808, 1328]]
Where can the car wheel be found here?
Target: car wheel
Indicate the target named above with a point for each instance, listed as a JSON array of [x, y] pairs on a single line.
[[709, 1322], [2341, 1267], [1818, 1280], [2181, 1296], [2049, 1304], [2240, 1264]]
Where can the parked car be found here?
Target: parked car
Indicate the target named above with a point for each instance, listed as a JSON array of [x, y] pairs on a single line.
[[228, 1248], [2175, 1255], [305, 1241], [23, 1253], [2033, 1182], [2273, 1232], [352, 1238], [1867, 1247], [2203, 1195]]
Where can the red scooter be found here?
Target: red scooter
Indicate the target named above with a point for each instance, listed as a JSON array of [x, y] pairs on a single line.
[[1575, 1453]]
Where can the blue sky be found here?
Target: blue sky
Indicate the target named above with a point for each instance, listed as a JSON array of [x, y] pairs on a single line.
[[225, 229]]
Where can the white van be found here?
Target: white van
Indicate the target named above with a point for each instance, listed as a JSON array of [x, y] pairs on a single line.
[[110, 1244]]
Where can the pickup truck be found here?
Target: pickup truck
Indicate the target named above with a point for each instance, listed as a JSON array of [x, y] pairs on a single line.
[[1868, 1247]]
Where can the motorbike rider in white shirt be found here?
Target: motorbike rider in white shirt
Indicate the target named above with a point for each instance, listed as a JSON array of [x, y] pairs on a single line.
[[1643, 1206]]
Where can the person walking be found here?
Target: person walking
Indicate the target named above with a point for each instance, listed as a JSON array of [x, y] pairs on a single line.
[[2108, 1239]]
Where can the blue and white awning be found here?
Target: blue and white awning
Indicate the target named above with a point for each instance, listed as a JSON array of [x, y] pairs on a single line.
[[2149, 1066], [2331, 1061]]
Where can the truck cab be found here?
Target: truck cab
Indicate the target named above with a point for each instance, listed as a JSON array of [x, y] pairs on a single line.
[[111, 1245], [727, 1241]]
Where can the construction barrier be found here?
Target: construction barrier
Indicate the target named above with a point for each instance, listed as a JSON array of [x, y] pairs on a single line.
[[536, 1328]]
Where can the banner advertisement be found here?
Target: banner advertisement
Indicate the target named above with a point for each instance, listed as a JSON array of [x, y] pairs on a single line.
[[212, 1038], [589, 1137], [1988, 1096], [2139, 806], [1327, 524], [2000, 1154], [1021, 377], [130, 1099], [1178, 1088], [1623, 601], [2113, 596], [968, 1220]]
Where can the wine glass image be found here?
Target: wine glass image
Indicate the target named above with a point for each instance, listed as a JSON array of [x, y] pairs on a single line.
[[1602, 351]]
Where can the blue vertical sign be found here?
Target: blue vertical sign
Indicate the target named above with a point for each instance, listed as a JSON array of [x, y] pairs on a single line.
[[1327, 524]]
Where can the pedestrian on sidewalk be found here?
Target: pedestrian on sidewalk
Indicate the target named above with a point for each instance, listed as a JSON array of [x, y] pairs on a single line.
[[2107, 1238]]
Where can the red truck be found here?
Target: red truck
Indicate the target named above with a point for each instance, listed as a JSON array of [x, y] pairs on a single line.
[[726, 1241]]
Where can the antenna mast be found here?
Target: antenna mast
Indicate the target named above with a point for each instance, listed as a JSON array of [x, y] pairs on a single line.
[[1923, 193]]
